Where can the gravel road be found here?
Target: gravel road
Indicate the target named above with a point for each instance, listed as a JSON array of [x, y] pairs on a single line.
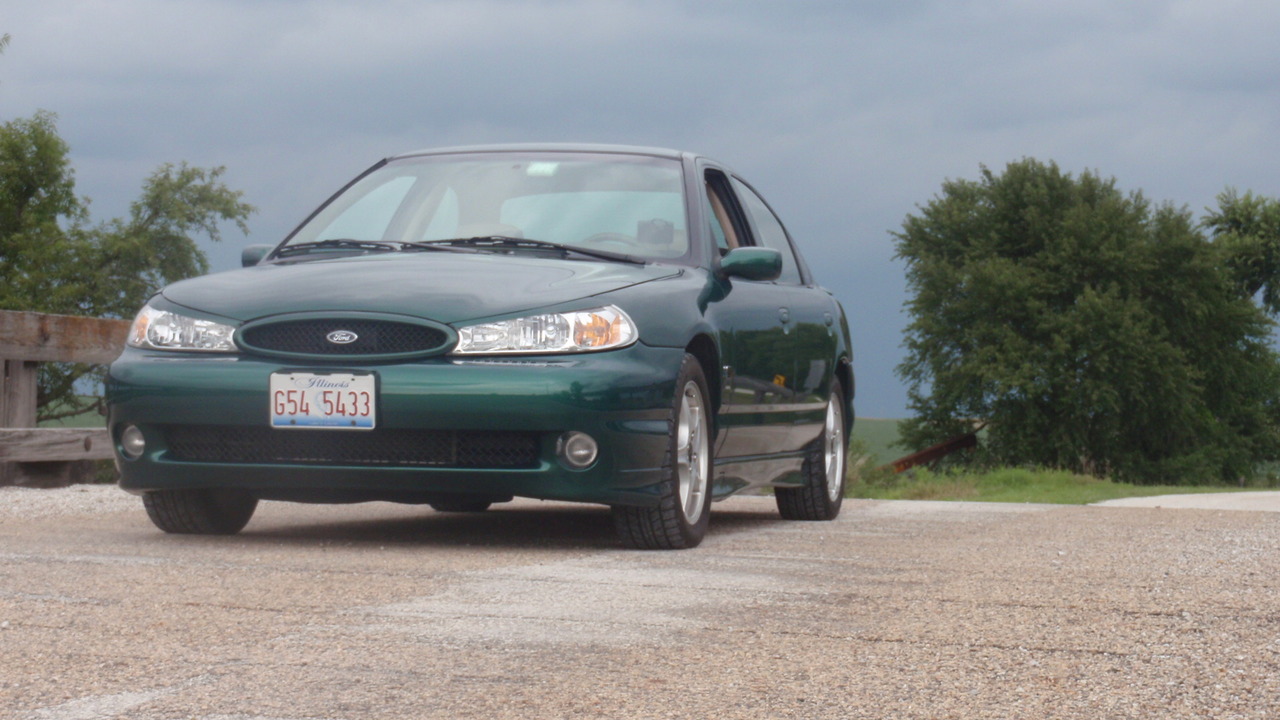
[[896, 610]]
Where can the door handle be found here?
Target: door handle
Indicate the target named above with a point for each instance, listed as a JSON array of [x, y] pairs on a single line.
[[784, 314]]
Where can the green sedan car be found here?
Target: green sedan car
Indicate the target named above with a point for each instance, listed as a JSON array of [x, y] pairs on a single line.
[[626, 326]]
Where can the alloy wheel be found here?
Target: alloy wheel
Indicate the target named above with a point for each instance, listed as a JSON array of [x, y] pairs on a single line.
[[692, 452]]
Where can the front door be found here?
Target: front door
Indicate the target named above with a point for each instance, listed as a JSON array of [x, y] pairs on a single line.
[[757, 341]]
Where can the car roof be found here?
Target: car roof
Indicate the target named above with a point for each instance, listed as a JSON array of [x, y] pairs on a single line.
[[551, 147]]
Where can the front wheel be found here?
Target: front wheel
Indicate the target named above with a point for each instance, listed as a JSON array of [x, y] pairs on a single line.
[[203, 511], [822, 494], [684, 507]]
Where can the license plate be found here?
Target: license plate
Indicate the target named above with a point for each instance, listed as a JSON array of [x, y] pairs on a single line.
[[337, 401]]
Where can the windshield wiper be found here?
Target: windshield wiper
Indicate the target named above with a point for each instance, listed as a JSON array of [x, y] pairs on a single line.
[[337, 244], [506, 242]]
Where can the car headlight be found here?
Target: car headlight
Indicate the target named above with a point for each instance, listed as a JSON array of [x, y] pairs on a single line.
[[602, 328], [163, 330]]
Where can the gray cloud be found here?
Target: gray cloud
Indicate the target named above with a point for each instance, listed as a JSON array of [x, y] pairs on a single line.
[[845, 114]]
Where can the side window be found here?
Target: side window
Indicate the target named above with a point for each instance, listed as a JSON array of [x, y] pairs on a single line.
[[720, 213], [770, 230], [718, 220]]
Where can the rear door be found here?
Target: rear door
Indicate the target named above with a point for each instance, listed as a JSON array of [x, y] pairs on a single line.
[[810, 323]]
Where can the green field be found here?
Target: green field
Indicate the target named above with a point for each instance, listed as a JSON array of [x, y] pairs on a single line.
[[876, 436], [88, 420]]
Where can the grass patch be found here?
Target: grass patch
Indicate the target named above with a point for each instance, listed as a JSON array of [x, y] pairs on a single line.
[[876, 437], [1015, 485], [872, 446]]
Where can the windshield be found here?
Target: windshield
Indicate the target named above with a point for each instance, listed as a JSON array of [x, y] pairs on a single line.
[[628, 205]]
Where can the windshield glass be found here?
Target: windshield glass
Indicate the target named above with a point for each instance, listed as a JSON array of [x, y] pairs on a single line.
[[631, 205]]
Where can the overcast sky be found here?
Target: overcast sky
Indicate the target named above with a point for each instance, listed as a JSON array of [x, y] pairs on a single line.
[[845, 114]]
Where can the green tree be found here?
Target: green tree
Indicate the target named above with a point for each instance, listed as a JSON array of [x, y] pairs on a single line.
[[1246, 229], [53, 260], [1089, 330], [37, 199], [156, 244]]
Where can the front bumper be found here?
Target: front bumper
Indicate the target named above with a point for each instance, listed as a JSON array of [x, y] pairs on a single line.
[[621, 398]]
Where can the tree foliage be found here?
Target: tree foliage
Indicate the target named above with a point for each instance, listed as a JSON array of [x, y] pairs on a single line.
[[53, 260], [1246, 229], [156, 244], [37, 195], [1088, 329]]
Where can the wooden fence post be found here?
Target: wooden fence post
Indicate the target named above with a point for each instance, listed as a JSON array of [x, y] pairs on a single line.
[[18, 401], [49, 457], [17, 406]]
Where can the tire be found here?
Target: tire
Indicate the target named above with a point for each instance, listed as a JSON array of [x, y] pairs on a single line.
[[822, 494], [200, 511], [683, 511]]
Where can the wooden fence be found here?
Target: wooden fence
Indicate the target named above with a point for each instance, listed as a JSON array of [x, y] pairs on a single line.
[[49, 456]]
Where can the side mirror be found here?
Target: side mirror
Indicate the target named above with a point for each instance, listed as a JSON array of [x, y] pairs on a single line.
[[252, 254], [752, 263]]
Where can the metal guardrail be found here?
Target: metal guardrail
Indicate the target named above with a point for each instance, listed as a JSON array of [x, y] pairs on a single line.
[[48, 456], [932, 454]]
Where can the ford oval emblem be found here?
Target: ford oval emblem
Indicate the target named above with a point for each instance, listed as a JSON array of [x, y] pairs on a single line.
[[342, 337]]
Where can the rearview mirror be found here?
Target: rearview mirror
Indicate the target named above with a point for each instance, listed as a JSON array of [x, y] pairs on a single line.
[[252, 254], [752, 263]]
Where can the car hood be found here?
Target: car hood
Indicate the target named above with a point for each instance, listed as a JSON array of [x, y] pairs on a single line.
[[446, 288]]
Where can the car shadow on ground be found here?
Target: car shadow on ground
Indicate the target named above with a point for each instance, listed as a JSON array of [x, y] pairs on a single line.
[[553, 526]]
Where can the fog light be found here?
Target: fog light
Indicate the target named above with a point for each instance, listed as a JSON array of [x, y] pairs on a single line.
[[577, 449], [132, 444]]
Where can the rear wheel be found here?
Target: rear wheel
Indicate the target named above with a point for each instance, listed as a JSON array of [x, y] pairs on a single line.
[[822, 494], [201, 511], [683, 511]]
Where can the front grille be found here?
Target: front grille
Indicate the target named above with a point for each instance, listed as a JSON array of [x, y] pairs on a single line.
[[377, 448], [372, 337]]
